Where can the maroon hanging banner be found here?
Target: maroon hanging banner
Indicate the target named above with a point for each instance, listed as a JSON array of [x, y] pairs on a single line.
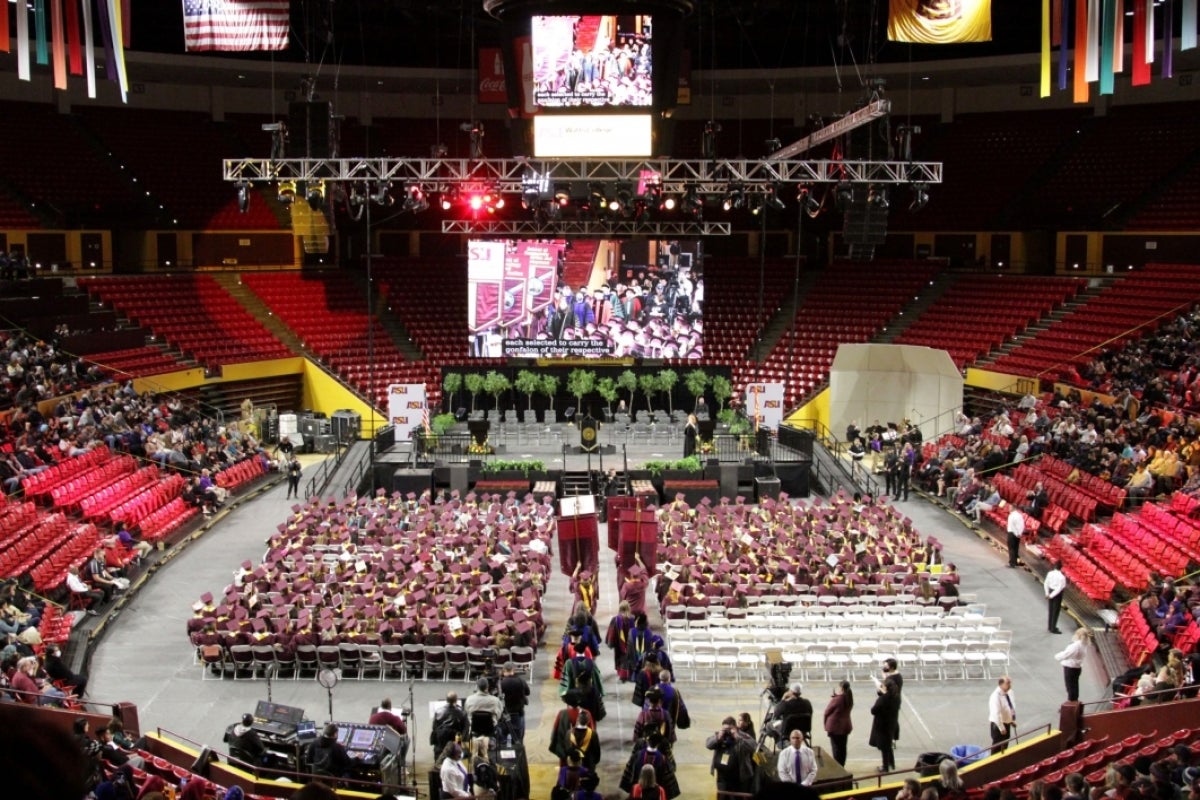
[[74, 42], [1141, 65]]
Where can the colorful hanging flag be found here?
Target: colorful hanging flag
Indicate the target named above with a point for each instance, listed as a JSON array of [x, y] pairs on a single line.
[[1168, 8], [89, 51], [1081, 51], [1092, 63], [235, 25], [939, 21], [4, 32], [1119, 38], [1149, 31], [1064, 46], [22, 10], [58, 45], [39, 23], [1187, 33], [118, 36], [1141, 59], [1108, 28], [74, 51], [1047, 35]]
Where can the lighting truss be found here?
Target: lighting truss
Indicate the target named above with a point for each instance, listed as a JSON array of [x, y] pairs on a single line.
[[591, 227], [677, 176], [855, 119]]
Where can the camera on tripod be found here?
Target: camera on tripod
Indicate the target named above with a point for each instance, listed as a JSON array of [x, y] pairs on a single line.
[[781, 672]]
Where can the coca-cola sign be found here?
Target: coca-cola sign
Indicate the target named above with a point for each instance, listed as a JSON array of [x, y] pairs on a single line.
[[491, 76]]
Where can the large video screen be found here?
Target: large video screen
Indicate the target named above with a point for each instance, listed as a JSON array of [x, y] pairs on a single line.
[[601, 61], [586, 299]]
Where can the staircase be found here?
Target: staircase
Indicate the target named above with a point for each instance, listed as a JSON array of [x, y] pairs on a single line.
[[774, 329], [834, 473], [1095, 289], [577, 483], [311, 226], [232, 283], [913, 311], [395, 329]]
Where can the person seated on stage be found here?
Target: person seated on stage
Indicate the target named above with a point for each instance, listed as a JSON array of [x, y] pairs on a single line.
[[327, 756], [245, 743]]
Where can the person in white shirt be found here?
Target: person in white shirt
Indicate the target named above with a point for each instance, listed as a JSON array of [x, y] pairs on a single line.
[[1002, 714], [797, 762], [77, 586], [1072, 661], [1016, 529], [456, 781], [1054, 586]]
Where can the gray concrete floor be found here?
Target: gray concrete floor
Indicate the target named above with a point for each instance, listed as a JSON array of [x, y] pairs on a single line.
[[144, 657]]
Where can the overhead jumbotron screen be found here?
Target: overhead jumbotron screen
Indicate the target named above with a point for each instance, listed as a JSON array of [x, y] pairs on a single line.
[[585, 299], [601, 61]]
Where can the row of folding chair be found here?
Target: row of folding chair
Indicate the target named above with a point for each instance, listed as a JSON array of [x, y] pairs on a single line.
[[973, 633], [360, 661], [933, 659], [840, 623], [717, 615]]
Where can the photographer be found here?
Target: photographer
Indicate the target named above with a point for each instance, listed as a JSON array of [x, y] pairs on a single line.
[[732, 759], [515, 693], [794, 712]]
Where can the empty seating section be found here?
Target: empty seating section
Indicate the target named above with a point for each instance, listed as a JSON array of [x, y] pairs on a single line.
[[732, 322], [1096, 171], [136, 362], [1095, 583], [329, 314], [1137, 640], [60, 169], [849, 303], [980, 312], [191, 312], [176, 156], [1116, 314], [1177, 207], [1024, 142], [13, 215]]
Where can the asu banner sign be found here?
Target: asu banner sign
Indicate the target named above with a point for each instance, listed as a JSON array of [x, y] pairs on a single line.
[[764, 403], [940, 21], [407, 409]]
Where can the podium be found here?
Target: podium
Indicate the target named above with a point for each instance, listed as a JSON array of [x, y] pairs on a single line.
[[578, 534], [589, 434]]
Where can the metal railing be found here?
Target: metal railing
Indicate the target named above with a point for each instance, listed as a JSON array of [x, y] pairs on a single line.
[[261, 773], [834, 470], [325, 471]]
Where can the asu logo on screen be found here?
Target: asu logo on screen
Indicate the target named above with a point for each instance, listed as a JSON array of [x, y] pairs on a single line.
[[417, 404], [772, 404], [399, 420], [399, 389]]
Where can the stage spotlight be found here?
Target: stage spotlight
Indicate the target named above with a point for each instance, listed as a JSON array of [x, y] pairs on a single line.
[[316, 195], [383, 195], [668, 203], [734, 199], [772, 200], [475, 202], [243, 196], [693, 204], [843, 196], [622, 200], [415, 200], [809, 203], [920, 197], [287, 192], [756, 205], [877, 196], [448, 199]]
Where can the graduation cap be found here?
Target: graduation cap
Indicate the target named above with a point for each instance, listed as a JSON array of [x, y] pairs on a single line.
[[206, 598]]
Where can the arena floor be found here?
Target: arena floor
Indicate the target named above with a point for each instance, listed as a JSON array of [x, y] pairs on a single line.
[[145, 658]]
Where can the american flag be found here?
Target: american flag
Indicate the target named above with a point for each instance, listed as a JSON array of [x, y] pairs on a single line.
[[235, 24], [425, 418]]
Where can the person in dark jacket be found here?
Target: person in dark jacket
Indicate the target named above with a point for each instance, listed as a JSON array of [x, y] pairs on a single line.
[[837, 720], [885, 723]]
